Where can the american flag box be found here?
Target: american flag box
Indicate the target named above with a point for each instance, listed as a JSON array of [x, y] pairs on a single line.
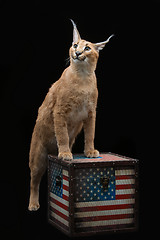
[[93, 195]]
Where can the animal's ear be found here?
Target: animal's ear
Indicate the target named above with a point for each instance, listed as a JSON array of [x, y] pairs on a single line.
[[101, 45], [76, 35]]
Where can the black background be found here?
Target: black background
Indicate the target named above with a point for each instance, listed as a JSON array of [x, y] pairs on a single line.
[[34, 44]]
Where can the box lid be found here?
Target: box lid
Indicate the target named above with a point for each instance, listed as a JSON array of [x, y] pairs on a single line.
[[79, 160]]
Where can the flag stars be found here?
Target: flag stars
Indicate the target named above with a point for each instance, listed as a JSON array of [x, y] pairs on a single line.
[[89, 186]]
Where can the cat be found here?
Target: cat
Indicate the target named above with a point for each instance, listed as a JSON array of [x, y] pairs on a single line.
[[69, 106]]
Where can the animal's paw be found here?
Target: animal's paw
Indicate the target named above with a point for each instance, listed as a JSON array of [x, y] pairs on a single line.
[[91, 153], [65, 155], [33, 206]]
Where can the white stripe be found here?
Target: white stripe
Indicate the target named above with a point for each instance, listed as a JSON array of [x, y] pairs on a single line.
[[66, 193], [59, 209], [103, 213], [66, 183], [62, 220], [125, 172], [125, 181], [104, 203], [125, 191], [103, 223], [59, 199], [65, 173]]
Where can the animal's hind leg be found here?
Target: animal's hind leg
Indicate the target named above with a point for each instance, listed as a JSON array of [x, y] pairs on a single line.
[[38, 166]]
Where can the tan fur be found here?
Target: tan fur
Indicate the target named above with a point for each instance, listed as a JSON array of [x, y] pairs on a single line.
[[69, 105]]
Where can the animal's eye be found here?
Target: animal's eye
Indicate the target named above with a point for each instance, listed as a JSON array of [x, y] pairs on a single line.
[[87, 48], [75, 45]]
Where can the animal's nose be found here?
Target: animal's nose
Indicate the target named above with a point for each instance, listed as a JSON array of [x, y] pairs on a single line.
[[78, 53]]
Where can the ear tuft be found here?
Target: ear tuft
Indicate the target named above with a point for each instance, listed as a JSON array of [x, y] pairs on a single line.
[[101, 45], [76, 35]]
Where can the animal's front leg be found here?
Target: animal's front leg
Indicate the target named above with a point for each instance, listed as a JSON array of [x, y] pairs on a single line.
[[62, 137], [89, 132]]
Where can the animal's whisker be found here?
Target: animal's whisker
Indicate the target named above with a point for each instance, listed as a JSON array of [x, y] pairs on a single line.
[[67, 61]]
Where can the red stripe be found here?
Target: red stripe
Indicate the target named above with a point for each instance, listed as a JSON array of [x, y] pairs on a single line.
[[65, 197], [119, 177], [103, 218], [125, 186], [65, 178], [125, 196], [59, 213], [65, 187], [59, 204], [103, 208]]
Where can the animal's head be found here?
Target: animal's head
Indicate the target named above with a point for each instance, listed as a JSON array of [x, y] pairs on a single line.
[[84, 54]]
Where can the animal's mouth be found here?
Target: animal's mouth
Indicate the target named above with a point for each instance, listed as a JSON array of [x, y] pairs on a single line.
[[80, 58]]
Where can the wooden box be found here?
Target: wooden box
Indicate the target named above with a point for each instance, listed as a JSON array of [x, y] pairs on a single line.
[[93, 195]]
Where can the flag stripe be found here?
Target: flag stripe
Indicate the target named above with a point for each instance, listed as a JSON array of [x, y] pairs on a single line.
[[125, 181], [124, 172], [59, 213], [65, 173], [64, 211], [103, 208], [65, 178], [124, 177], [65, 187], [65, 183], [103, 218], [59, 218], [65, 197], [66, 193], [125, 191], [104, 223], [125, 186], [125, 196], [105, 212], [55, 198], [104, 203]]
